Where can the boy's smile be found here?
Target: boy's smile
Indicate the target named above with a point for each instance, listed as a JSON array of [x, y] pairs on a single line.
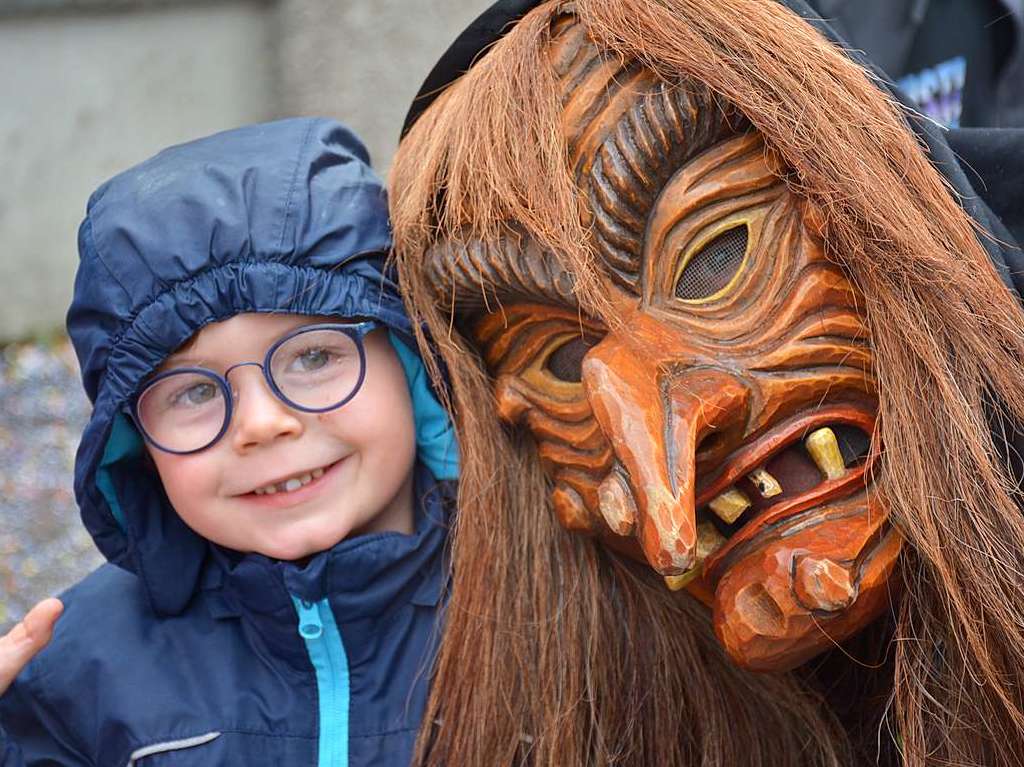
[[286, 483], [293, 484]]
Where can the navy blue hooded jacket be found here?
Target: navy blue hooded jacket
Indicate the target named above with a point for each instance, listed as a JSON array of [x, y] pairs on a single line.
[[178, 652]]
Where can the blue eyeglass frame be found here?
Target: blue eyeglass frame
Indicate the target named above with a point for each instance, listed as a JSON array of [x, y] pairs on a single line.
[[356, 331]]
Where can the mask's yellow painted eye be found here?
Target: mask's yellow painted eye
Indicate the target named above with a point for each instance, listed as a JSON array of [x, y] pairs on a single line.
[[714, 266]]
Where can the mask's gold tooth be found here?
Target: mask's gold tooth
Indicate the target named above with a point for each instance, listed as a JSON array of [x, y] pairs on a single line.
[[765, 483], [728, 506], [680, 582], [823, 447], [709, 540]]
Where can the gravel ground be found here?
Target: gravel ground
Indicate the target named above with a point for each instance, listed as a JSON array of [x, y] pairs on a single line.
[[43, 546]]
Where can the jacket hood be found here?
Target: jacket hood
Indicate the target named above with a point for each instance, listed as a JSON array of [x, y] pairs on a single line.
[[279, 217]]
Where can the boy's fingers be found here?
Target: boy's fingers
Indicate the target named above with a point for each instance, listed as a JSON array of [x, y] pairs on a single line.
[[23, 641], [40, 621]]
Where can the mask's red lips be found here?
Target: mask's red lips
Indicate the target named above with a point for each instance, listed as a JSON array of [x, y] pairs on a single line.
[[804, 482]]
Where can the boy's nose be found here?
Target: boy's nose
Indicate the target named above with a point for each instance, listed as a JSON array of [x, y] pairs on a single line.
[[260, 417]]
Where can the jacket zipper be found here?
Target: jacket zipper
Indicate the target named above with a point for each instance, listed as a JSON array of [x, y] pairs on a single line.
[[327, 654]]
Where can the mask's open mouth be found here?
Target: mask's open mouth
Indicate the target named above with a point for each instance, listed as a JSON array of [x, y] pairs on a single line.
[[807, 460]]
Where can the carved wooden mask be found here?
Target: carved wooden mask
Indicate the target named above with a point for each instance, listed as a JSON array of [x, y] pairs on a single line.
[[721, 432]]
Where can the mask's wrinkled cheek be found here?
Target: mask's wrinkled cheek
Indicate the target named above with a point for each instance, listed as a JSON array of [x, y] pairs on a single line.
[[570, 445]]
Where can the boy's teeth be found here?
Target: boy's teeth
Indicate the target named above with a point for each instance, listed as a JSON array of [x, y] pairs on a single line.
[[765, 483], [730, 504], [290, 485], [823, 448]]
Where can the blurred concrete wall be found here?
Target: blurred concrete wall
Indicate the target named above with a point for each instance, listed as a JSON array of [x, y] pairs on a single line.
[[362, 61], [86, 93], [90, 87]]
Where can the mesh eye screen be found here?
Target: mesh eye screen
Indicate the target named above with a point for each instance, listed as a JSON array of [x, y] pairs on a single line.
[[712, 268], [566, 362]]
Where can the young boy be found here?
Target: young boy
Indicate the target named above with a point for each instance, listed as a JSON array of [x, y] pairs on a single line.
[[266, 470]]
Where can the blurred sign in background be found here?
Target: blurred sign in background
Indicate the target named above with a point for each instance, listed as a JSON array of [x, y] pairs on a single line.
[[89, 87]]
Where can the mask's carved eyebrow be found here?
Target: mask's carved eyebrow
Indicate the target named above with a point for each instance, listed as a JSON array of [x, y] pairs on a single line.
[[658, 135], [475, 274], [628, 132]]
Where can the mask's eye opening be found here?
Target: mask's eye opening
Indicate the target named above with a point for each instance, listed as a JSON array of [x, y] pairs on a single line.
[[714, 267], [566, 362]]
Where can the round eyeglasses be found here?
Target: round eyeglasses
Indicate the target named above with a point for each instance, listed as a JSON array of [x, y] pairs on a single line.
[[313, 369]]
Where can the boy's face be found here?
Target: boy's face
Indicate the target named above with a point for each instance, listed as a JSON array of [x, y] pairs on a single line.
[[360, 456]]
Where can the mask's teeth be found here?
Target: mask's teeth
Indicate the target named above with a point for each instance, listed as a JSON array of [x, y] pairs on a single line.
[[823, 448], [728, 506], [292, 484], [679, 582], [709, 540], [317, 473], [765, 483]]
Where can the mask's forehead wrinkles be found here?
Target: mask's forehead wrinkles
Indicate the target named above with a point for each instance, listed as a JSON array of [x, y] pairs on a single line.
[[626, 133]]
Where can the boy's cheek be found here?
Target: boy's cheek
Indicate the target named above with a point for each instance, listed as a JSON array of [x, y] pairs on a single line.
[[185, 477]]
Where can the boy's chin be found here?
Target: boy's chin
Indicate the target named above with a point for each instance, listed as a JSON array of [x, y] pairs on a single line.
[[302, 551]]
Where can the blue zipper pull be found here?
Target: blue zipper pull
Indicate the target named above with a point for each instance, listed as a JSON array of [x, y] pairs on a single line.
[[310, 625]]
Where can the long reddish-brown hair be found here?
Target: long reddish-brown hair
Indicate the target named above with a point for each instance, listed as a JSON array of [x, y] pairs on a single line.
[[556, 652]]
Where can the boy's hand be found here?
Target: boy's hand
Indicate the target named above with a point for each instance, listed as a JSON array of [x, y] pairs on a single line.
[[23, 641]]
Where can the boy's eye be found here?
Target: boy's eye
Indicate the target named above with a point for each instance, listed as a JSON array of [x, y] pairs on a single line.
[[195, 395], [311, 359], [314, 359]]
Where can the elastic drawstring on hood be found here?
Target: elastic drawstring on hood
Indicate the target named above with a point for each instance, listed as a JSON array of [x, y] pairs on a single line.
[[280, 217]]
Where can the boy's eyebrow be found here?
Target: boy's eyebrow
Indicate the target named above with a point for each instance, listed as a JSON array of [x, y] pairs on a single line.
[[184, 360]]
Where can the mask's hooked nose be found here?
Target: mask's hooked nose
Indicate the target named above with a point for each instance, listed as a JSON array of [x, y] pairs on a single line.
[[655, 415]]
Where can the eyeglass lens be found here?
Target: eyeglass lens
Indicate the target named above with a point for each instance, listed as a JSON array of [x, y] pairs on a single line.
[[316, 369], [312, 370]]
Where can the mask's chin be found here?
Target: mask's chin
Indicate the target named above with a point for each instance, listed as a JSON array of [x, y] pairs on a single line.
[[803, 586]]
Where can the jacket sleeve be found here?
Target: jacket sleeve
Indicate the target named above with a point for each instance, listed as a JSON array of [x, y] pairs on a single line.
[[31, 734]]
